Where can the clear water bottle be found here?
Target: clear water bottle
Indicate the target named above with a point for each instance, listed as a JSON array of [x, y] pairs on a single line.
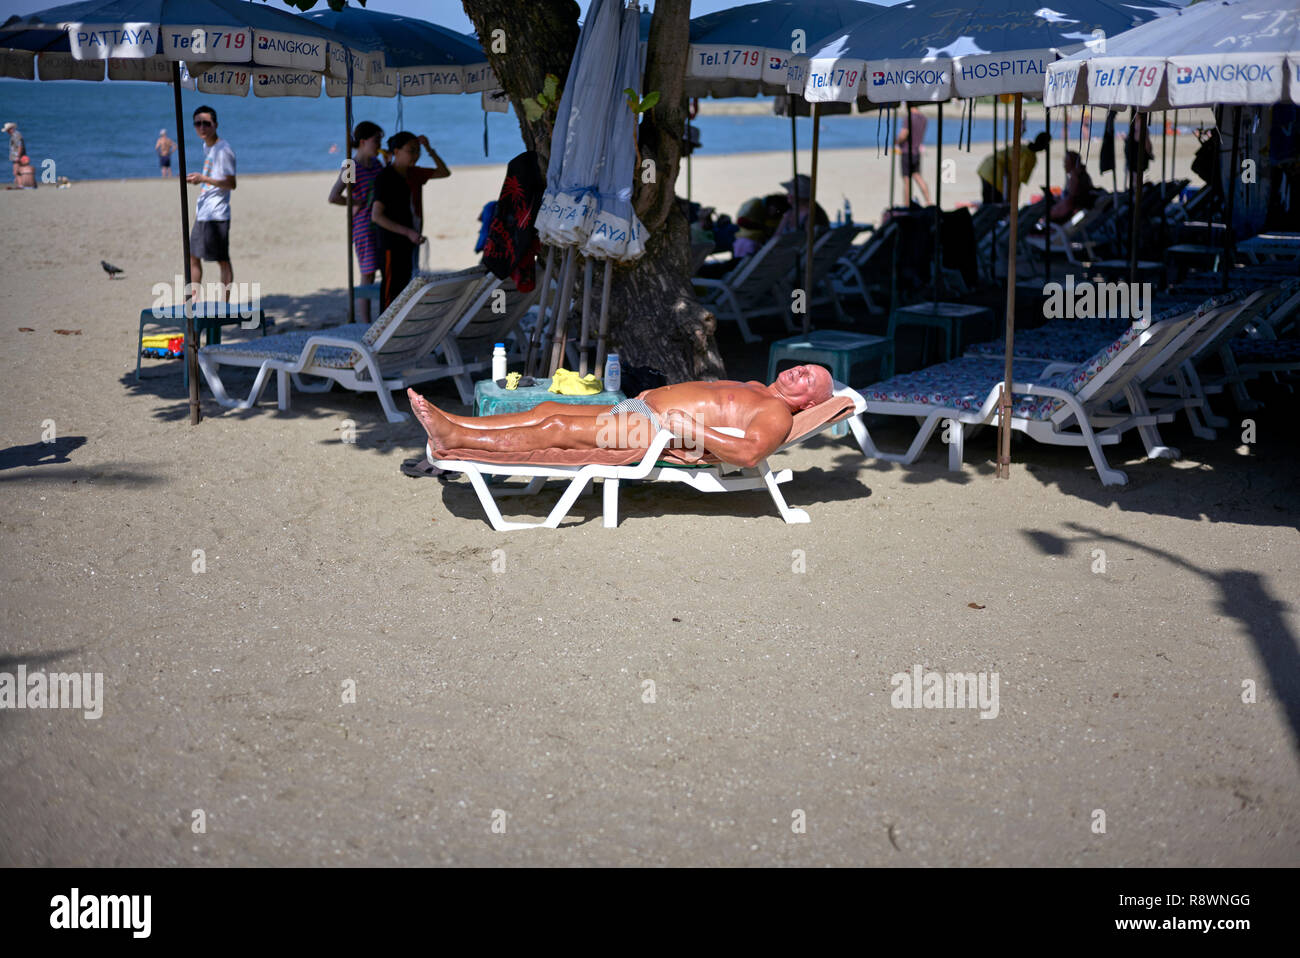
[[499, 361], [848, 212], [613, 373]]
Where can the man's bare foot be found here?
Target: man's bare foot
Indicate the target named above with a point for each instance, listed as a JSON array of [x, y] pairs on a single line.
[[435, 424]]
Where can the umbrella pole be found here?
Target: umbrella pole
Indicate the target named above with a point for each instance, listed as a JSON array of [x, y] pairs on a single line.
[[1135, 196], [938, 209], [794, 142], [1047, 200], [1164, 178], [893, 136], [562, 301], [812, 221], [1229, 240], [1004, 400], [347, 142], [604, 316], [583, 342], [993, 246], [535, 340], [907, 118], [191, 332]]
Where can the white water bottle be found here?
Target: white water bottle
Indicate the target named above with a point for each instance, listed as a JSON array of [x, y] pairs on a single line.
[[613, 373], [499, 361]]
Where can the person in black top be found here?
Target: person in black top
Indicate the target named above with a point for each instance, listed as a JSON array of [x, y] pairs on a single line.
[[391, 211]]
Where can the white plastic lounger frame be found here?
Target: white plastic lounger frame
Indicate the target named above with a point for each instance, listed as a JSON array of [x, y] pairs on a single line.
[[1076, 414], [713, 478], [401, 355], [746, 289]]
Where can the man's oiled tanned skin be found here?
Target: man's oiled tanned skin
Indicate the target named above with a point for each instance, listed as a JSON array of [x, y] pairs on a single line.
[[691, 411]]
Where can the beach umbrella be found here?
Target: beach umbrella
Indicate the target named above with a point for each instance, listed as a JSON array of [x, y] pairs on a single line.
[[419, 58], [1223, 52], [229, 46], [929, 51], [587, 203]]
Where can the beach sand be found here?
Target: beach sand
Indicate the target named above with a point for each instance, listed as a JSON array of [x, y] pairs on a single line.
[[509, 671]]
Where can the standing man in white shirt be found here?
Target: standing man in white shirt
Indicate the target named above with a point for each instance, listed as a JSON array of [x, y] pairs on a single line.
[[210, 238]]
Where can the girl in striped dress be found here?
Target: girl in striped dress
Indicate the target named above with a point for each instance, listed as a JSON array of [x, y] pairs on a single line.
[[366, 139]]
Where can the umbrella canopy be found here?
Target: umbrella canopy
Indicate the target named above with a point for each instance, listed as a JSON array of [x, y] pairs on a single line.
[[418, 57], [229, 45], [929, 51], [1238, 52], [746, 50]]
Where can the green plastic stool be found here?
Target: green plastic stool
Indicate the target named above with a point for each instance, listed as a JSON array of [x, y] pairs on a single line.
[[839, 351]]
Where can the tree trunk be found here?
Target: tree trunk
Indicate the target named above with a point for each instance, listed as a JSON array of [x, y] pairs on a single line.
[[655, 318]]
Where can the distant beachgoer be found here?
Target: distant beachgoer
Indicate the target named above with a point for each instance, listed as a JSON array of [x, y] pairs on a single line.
[[757, 220], [908, 144], [366, 139], [164, 148], [17, 148], [798, 192], [1078, 192], [995, 171], [417, 176], [334, 148], [392, 209], [210, 238]]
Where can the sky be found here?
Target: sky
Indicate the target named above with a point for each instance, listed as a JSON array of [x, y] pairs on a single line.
[[446, 13]]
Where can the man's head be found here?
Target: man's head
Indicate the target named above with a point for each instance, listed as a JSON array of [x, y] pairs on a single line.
[[9, 126], [803, 387], [1040, 142], [205, 123]]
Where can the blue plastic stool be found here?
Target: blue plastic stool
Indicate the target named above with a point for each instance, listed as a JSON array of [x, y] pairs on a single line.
[[839, 351], [946, 317]]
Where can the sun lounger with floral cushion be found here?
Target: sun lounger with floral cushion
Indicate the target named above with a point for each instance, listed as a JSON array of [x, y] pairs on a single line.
[[1053, 403], [393, 352], [657, 464]]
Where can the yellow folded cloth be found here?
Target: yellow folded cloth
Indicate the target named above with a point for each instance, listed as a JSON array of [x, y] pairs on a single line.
[[568, 383], [512, 380]]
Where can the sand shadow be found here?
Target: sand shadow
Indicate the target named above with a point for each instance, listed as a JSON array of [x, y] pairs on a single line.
[[41, 453], [1243, 596]]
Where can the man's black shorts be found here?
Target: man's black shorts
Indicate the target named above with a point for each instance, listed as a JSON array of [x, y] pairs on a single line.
[[210, 240]]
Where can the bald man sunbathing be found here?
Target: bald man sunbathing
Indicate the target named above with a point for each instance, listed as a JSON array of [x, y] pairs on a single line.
[[692, 412]]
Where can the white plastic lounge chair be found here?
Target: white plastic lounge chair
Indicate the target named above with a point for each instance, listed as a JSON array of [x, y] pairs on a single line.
[[1052, 403], [756, 287], [848, 277], [708, 477], [830, 246], [393, 352]]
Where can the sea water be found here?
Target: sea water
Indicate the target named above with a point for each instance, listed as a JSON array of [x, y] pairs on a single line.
[[107, 130]]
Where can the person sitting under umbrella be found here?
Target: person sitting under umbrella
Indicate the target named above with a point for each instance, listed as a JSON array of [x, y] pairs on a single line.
[[693, 412], [799, 191]]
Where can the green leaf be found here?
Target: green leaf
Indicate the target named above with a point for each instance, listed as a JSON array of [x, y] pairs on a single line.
[[532, 110], [551, 86], [650, 100]]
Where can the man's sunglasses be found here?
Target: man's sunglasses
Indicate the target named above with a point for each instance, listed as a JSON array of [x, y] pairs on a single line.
[[203, 123]]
